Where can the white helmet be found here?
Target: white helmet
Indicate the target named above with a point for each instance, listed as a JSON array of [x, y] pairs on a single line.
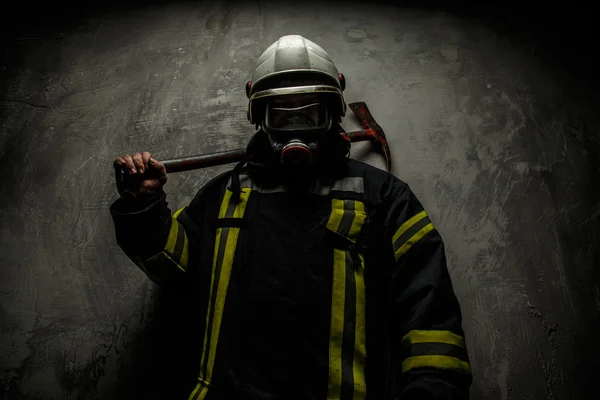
[[294, 65]]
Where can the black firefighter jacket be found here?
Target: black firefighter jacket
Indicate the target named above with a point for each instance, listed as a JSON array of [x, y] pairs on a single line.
[[337, 292]]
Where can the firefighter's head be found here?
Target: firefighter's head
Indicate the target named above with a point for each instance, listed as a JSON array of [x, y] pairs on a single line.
[[296, 97]]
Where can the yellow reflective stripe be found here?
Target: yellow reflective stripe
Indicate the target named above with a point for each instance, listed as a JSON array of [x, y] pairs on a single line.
[[214, 313], [171, 245], [347, 218], [414, 239], [160, 259], [347, 364], [178, 212], [161, 267], [441, 362], [203, 393], [416, 336], [200, 391], [195, 391], [225, 203], [205, 344], [185, 253], [240, 209], [359, 219], [172, 239], [360, 354], [220, 299], [406, 226], [337, 324], [337, 212]]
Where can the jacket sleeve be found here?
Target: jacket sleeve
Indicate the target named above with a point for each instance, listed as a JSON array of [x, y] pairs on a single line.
[[151, 236], [429, 356]]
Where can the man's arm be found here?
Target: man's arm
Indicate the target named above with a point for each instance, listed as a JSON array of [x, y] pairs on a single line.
[[153, 238], [430, 359]]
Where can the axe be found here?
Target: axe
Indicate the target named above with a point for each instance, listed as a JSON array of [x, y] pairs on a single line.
[[371, 132]]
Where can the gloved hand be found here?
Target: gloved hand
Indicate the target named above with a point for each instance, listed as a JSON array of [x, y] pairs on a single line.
[[139, 174]]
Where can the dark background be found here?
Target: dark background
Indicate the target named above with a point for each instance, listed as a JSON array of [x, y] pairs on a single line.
[[491, 112]]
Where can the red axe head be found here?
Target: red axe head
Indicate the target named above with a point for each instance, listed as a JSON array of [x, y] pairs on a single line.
[[372, 131]]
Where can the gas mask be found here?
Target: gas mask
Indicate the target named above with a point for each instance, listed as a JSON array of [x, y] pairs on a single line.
[[294, 124]]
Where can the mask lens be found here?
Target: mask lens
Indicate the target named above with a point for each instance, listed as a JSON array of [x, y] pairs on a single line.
[[296, 113], [310, 116]]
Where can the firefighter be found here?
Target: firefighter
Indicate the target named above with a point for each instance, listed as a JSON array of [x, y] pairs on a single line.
[[313, 276]]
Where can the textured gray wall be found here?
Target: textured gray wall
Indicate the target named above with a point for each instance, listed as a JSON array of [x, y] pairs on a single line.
[[499, 144]]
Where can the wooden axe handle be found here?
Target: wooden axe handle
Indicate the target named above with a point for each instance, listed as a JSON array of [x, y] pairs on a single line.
[[232, 156], [372, 132]]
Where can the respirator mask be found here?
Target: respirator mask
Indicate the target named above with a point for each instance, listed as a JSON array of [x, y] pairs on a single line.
[[294, 124]]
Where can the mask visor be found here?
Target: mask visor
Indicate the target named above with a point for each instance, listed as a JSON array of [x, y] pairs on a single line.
[[298, 113]]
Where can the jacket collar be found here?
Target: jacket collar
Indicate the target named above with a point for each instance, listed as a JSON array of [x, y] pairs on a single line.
[[264, 165]]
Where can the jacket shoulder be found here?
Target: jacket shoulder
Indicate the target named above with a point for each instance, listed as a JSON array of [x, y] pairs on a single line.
[[379, 185], [214, 188], [205, 205]]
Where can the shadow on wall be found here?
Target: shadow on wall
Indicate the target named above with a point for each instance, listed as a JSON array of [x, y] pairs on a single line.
[[162, 362], [157, 362], [563, 37]]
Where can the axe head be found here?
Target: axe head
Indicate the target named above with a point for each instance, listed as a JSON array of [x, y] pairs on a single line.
[[373, 130]]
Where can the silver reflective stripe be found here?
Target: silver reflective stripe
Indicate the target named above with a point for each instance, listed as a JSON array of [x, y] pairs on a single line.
[[350, 184], [246, 182], [295, 90]]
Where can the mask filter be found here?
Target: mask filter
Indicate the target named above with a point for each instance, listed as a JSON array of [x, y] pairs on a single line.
[[295, 152]]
